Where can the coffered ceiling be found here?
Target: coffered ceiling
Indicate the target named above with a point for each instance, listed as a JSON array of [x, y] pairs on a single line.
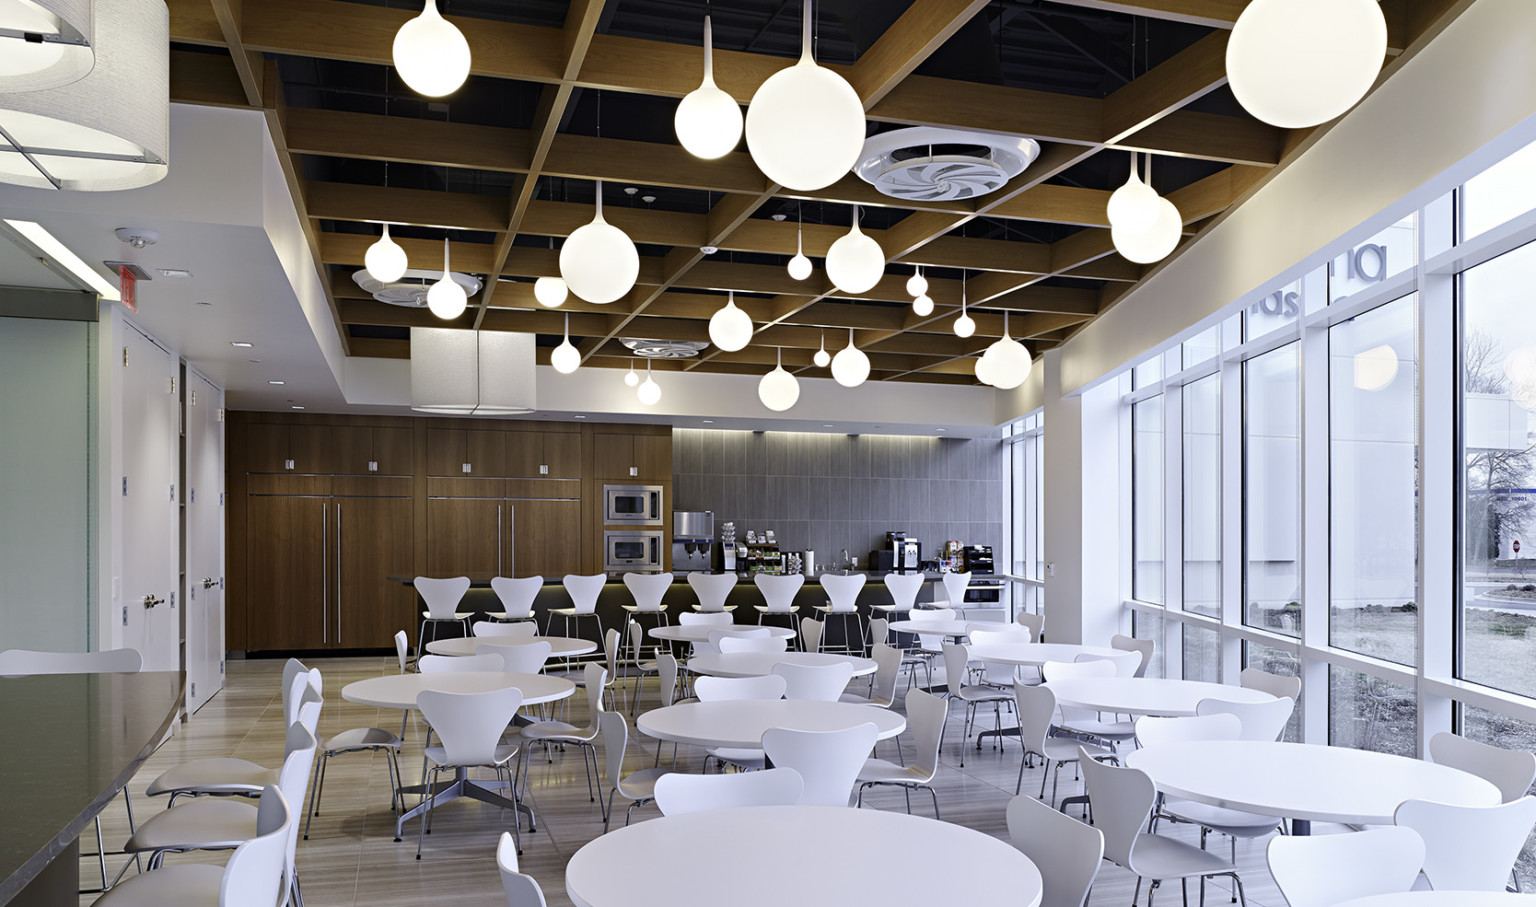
[[563, 94]]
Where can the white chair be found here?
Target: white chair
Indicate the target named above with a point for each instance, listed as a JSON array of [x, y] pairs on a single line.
[[1511, 771], [1002, 675], [1086, 722], [647, 590], [641, 668], [956, 660], [1259, 720], [1037, 707], [711, 590], [358, 740], [1324, 870], [256, 874], [887, 669], [548, 732], [778, 595], [879, 630], [1066, 851], [1469, 848], [925, 715], [843, 601], [442, 598], [524, 658], [469, 725], [724, 689], [1034, 623], [929, 645], [1127, 664], [444, 664], [1122, 799], [1276, 685], [1132, 644], [903, 588], [486, 629], [666, 677], [828, 761], [638, 787], [403, 653], [810, 634], [678, 794], [583, 591], [729, 644], [954, 591], [819, 683], [521, 889], [516, 594]]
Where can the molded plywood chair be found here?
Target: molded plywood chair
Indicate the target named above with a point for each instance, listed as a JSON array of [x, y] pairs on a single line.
[[928, 645], [516, 594], [903, 588], [1037, 707], [443, 664], [647, 590], [637, 787], [711, 590], [1324, 870], [486, 629], [442, 598], [956, 659], [678, 794], [778, 595], [887, 669], [810, 634], [1132, 644], [1511, 771], [722, 689], [1086, 722], [641, 668], [1003, 675], [1066, 851], [470, 727], [843, 601], [926, 714], [1469, 848], [729, 644], [820, 683], [1277, 685], [358, 740], [829, 761], [521, 889], [560, 732], [1035, 623], [524, 658], [583, 591], [954, 591], [1259, 720]]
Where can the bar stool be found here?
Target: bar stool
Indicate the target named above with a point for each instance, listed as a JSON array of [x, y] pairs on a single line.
[[516, 595], [954, 591], [647, 590], [903, 588], [843, 601], [442, 598], [778, 595], [711, 590], [583, 591]]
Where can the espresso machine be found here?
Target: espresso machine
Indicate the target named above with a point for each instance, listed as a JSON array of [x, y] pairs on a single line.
[[900, 554], [693, 534]]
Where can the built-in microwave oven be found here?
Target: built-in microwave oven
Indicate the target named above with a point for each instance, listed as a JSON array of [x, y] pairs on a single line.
[[631, 550], [632, 505]]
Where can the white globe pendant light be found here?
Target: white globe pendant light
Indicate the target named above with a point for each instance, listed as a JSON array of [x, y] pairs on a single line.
[[649, 392], [983, 368], [800, 266], [630, 378], [917, 284], [64, 53], [430, 53], [1134, 206], [551, 292], [922, 306], [1155, 243], [822, 357], [599, 262], [805, 125], [855, 263], [1008, 362], [778, 389], [566, 358], [708, 121], [850, 366], [385, 260], [730, 328], [446, 298], [1298, 63]]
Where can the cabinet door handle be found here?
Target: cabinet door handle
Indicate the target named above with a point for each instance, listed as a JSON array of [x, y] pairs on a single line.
[[498, 540], [288, 464], [467, 467], [373, 465], [338, 572], [544, 470], [634, 471], [325, 569]]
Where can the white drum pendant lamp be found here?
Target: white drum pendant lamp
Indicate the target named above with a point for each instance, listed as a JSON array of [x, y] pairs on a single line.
[[1154, 244], [730, 328], [464, 373], [1298, 63], [59, 50], [708, 121], [446, 298], [599, 262], [855, 263], [1133, 206], [805, 125], [114, 124], [385, 260], [565, 357], [850, 366], [649, 392], [430, 53], [822, 359], [778, 389]]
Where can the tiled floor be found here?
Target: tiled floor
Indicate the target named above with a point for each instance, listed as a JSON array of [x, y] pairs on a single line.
[[352, 858]]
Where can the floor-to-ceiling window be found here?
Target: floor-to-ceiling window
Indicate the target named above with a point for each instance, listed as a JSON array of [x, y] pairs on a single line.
[[1026, 438]]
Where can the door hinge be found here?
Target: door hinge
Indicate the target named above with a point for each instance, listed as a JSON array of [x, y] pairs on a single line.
[[173, 492], [173, 601], [173, 385], [194, 689], [221, 499], [125, 486], [192, 594], [192, 496], [194, 396], [221, 414], [125, 357], [125, 615]]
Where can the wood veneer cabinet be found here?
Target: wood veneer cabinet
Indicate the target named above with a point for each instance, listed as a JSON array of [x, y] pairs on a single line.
[[371, 450], [297, 449], [543, 454], [630, 457], [466, 452]]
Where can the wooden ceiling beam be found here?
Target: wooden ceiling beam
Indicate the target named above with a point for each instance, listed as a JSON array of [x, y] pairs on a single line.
[[1190, 74], [1404, 19], [206, 79], [910, 40]]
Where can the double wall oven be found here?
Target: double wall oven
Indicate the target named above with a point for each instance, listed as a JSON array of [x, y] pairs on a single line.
[[633, 536]]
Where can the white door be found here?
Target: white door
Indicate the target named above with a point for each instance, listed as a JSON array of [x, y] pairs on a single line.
[[151, 540], [204, 502]]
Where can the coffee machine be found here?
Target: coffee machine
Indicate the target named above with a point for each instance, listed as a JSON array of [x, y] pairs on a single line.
[[692, 541], [906, 554]]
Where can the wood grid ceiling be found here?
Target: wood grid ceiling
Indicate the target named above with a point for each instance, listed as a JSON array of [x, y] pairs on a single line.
[[565, 93]]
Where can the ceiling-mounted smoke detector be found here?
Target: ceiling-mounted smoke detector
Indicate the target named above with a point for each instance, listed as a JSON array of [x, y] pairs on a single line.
[[925, 163], [663, 349], [410, 291]]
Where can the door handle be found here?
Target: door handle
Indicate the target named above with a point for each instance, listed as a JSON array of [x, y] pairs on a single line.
[[209, 582], [150, 601]]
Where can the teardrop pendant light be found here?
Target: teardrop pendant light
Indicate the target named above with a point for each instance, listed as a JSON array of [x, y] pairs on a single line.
[[850, 366], [566, 358], [855, 263], [1133, 207], [708, 121], [805, 125], [922, 306], [446, 298], [730, 328], [630, 378], [385, 261], [822, 357], [800, 266], [649, 392], [430, 53], [965, 325], [917, 284], [1007, 361], [778, 389], [599, 262], [1157, 241]]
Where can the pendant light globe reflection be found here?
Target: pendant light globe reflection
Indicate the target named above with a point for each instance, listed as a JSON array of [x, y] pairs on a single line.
[[850, 367], [1298, 63], [730, 328], [551, 292], [708, 121], [599, 262], [855, 263], [649, 392], [1155, 243], [922, 306], [778, 390], [1520, 366], [1134, 206], [430, 53], [1375, 368], [385, 260]]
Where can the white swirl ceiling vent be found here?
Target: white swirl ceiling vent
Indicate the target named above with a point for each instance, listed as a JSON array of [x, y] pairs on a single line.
[[928, 164], [648, 348], [410, 291]]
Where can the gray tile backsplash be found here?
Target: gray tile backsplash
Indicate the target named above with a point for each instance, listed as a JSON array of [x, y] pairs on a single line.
[[828, 492]]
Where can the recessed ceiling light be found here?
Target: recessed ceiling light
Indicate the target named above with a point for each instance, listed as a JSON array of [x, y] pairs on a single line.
[[253, 360], [709, 421], [174, 272], [578, 417], [826, 425], [284, 382], [205, 303], [296, 406], [941, 429], [242, 344]]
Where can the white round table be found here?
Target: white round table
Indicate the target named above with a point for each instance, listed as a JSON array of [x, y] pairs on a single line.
[[1444, 899], [756, 664], [1034, 654], [739, 857], [740, 723], [1305, 782], [700, 633], [559, 646], [955, 629], [1147, 695], [399, 691]]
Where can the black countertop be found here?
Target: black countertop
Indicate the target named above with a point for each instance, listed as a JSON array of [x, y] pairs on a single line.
[[872, 576], [68, 744]]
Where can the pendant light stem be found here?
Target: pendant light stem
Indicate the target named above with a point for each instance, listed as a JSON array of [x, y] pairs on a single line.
[[567, 327], [709, 52], [805, 34], [1005, 325], [599, 199], [445, 256]]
